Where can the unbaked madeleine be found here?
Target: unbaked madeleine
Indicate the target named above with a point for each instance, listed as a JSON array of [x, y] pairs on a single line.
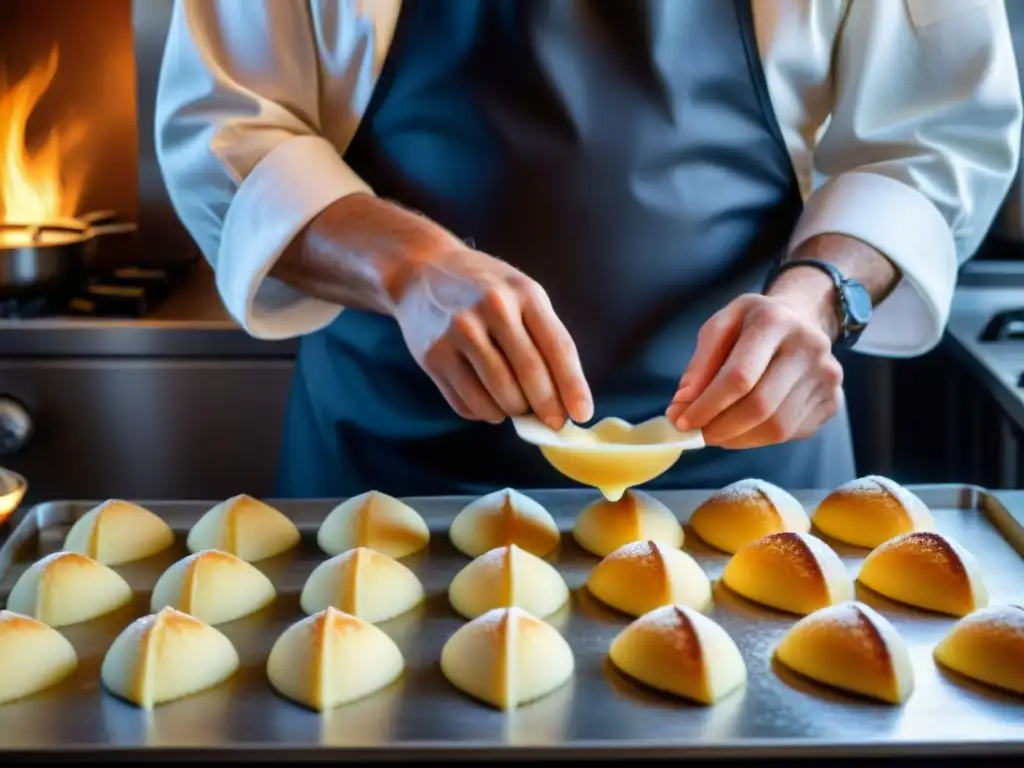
[[331, 658], [374, 520], [505, 577], [603, 526], [33, 657], [639, 577], [987, 646], [167, 656], [745, 511], [363, 583], [501, 518], [244, 527], [850, 647], [793, 572], [869, 511], [213, 586], [506, 658], [679, 651], [925, 569], [68, 588], [117, 532]]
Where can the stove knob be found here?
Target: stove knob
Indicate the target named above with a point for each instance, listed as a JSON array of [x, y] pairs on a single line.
[[15, 426]]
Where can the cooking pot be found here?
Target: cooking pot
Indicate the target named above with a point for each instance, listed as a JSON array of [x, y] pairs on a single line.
[[40, 258]]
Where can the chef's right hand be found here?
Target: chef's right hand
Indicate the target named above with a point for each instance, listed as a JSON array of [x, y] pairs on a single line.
[[489, 338]]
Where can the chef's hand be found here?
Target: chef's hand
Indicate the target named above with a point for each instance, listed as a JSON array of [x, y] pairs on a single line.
[[762, 373], [489, 338]]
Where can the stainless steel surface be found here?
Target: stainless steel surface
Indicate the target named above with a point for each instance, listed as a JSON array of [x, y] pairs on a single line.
[[187, 428], [598, 712], [163, 239], [15, 426]]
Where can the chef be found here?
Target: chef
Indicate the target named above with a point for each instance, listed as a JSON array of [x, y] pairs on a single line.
[[470, 210]]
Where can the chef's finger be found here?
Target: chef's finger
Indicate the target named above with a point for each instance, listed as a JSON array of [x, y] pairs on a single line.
[[463, 379], [714, 342], [743, 368], [504, 321], [471, 338], [759, 405], [560, 353], [783, 425], [453, 398]]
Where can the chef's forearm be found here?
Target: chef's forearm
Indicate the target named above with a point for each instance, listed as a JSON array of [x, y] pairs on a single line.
[[360, 252], [812, 290]]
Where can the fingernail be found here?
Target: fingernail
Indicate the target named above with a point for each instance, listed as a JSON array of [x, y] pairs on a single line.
[[682, 424], [584, 409], [554, 422]]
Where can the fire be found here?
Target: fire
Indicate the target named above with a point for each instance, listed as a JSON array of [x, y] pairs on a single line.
[[35, 186]]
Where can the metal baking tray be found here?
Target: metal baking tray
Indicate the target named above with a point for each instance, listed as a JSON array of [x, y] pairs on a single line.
[[600, 713]]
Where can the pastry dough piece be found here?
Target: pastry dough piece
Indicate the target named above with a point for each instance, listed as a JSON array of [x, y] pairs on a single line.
[[677, 650], [613, 454], [117, 532], [167, 656], [331, 658], [502, 518], [869, 511], [926, 570], [375, 520], [745, 511], [507, 658], [603, 526], [244, 527], [213, 586], [33, 656], [987, 646], [505, 577], [362, 583], [793, 572], [68, 588], [850, 647], [644, 575]]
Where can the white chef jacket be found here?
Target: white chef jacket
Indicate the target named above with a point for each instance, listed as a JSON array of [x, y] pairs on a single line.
[[902, 119]]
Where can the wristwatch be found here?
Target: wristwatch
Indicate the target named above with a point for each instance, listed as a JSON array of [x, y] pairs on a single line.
[[853, 302]]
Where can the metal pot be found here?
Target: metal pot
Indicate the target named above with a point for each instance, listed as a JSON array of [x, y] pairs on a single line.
[[39, 258]]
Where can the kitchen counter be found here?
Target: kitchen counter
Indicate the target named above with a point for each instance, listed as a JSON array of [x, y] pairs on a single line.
[[191, 322], [985, 289]]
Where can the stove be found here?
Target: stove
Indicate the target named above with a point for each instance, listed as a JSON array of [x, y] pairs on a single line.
[[1006, 325], [119, 293]]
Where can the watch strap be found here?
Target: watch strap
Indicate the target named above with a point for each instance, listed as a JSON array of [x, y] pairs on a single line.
[[848, 335]]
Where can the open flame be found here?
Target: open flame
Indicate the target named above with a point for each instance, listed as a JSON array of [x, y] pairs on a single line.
[[35, 186]]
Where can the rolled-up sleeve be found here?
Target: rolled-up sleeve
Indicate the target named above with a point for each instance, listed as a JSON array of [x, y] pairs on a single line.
[[920, 150], [239, 143]]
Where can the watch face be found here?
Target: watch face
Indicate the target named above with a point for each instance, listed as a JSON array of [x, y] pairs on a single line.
[[858, 304]]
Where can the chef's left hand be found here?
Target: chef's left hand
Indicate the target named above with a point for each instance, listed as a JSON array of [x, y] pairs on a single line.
[[762, 373]]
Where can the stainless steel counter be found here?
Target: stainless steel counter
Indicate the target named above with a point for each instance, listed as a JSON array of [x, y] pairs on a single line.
[[192, 322]]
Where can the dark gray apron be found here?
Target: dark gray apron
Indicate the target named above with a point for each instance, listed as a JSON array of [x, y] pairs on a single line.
[[623, 153]]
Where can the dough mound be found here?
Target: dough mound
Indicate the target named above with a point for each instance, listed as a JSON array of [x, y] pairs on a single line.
[[677, 650], [117, 532], [68, 588], [244, 527], [375, 520], [331, 658], [926, 570], [791, 572], [507, 658], [603, 526], [501, 518], [213, 586], [869, 511], [644, 575], [505, 577], [362, 583], [33, 657], [850, 647], [987, 646], [745, 511], [167, 656]]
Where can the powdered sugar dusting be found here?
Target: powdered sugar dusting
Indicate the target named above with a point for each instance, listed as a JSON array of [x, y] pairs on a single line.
[[674, 624], [639, 552], [930, 549], [494, 560], [1005, 620], [794, 549], [743, 490], [863, 642]]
